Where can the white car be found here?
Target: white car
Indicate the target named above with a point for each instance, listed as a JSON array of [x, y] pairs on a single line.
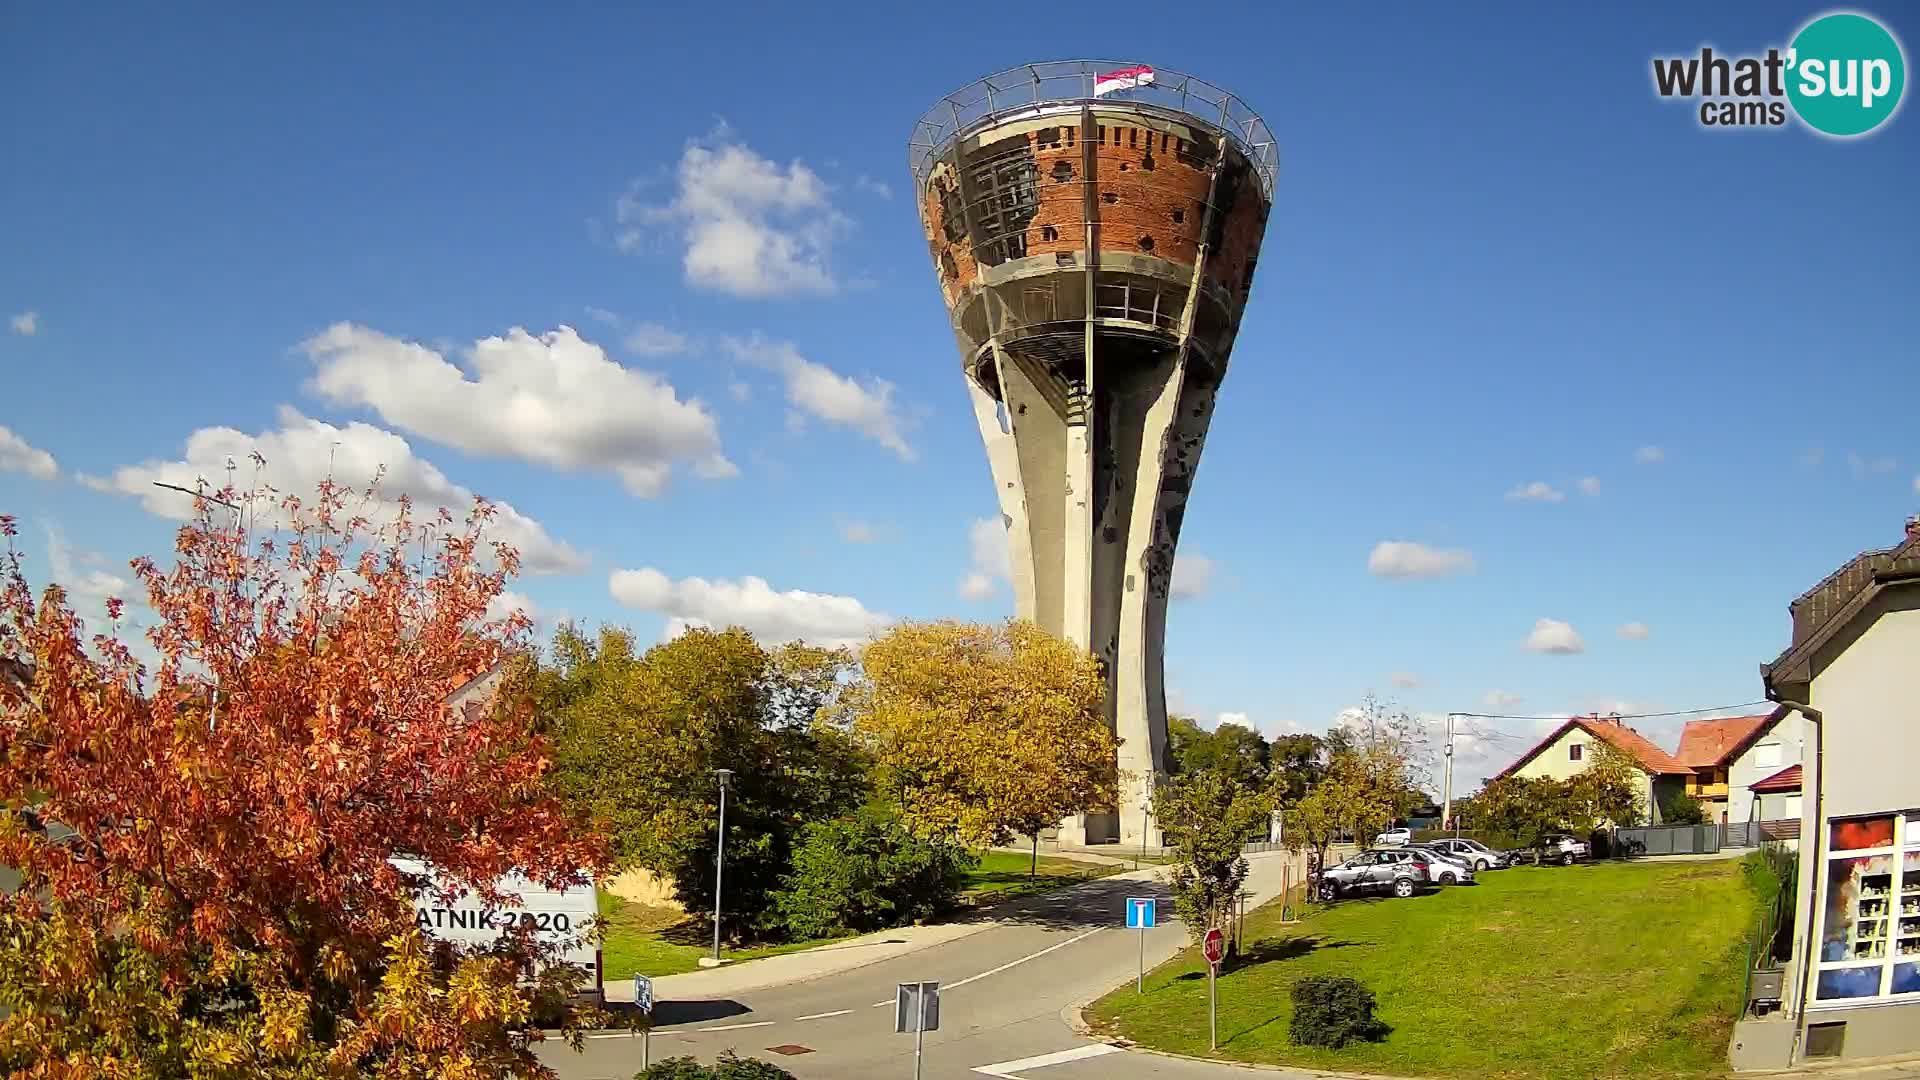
[[1565, 850], [1393, 838], [1472, 852], [1444, 868]]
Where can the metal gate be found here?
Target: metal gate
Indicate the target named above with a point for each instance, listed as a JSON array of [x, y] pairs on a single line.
[[1668, 840]]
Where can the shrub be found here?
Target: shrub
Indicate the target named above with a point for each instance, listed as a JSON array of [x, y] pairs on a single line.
[[1680, 808], [1332, 1010], [868, 872], [728, 1067]]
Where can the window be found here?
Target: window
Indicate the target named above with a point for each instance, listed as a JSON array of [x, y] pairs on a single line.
[[1767, 755], [1869, 943], [1575, 750]]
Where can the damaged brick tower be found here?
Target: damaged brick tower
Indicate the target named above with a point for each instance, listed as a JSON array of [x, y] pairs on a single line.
[[1095, 227]]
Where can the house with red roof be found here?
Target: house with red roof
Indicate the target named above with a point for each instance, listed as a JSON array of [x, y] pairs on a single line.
[[1715, 747], [1569, 749]]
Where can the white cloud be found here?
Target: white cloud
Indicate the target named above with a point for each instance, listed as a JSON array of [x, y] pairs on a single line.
[[91, 586], [600, 314], [818, 391], [302, 453], [1648, 455], [556, 400], [1406, 559], [738, 390], [1555, 637], [750, 226], [653, 339], [858, 532], [1500, 699], [26, 324], [1635, 631], [1864, 467], [991, 564], [17, 455], [1405, 680], [1538, 491], [1589, 485], [868, 184], [773, 617], [1192, 574], [509, 602]]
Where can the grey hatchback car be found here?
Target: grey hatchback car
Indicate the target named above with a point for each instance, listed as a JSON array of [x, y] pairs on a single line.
[[1399, 872]]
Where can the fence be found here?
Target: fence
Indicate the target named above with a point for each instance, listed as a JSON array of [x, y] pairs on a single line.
[[1668, 840]]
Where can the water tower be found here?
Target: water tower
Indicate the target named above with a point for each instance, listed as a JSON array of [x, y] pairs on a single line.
[[1095, 225]]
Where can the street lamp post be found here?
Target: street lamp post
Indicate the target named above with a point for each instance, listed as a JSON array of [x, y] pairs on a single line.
[[720, 858]]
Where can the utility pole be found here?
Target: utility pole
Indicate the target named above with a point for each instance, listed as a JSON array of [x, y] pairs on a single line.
[[1446, 812], [720, 859]]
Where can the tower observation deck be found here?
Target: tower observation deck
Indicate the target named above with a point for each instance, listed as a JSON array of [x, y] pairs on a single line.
[[1095, 226]]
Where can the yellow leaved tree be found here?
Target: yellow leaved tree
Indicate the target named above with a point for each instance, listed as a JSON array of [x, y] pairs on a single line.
[[982, 732]]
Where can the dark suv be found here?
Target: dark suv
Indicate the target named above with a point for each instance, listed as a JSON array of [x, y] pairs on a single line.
[[1401, 873]]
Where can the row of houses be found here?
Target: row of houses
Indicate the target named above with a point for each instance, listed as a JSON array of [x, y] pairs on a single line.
[[1835, 766], [1744, 770]]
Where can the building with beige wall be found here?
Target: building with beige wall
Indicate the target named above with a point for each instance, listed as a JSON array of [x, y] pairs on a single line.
[[1569, 750], [1852, 670]]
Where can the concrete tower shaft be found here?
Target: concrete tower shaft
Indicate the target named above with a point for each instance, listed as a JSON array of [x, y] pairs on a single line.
[[1096, 249]]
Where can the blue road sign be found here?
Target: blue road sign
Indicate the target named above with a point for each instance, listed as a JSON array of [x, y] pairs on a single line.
[[643, 993], [1139, 912]]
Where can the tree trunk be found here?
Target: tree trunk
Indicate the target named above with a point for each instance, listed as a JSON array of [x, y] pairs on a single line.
[[1033, 868]]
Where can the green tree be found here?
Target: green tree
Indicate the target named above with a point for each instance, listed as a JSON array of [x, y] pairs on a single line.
[[982, 732], [1523, 809], [1295, 763], [1606, 792], [1206, 819], [868, 872], [1231, 748], [1680, 808], [639, 739]]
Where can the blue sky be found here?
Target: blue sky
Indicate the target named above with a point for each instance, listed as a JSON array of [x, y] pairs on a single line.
[[1495, 260]]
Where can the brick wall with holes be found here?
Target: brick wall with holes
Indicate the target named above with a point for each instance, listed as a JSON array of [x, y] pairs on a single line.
[[952, 258]]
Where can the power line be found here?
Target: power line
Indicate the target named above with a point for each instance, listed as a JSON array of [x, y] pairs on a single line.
[[1617, 716]]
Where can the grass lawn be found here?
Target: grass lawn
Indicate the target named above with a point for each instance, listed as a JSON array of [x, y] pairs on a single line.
[[1002, 875], [659, 941], [1609, 970]]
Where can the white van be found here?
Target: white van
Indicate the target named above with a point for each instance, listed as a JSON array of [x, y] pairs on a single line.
[[563, 916]]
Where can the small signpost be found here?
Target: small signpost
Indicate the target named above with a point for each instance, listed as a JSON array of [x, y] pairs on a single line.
[[643, 1001], [1140, 912], [1214, 948], [916, 1008]]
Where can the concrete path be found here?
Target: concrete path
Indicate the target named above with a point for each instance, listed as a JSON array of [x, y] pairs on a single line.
[[1010, 981]]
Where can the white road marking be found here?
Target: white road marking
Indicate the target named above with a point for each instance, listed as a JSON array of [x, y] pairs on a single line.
[[1007, 1069], [1022, 960], [738, 1027], [1009, 964], [823, 1016]]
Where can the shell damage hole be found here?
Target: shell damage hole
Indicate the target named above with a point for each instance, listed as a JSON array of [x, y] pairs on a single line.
[[1109, 198], [1146, 243], [1179, 216], [1048, 232], [1062, 172]]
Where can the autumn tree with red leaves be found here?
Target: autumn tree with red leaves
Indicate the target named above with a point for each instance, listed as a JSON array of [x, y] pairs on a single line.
[[204, 848]]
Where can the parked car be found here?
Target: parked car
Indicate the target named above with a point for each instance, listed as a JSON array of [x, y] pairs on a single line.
[[1565, 850], [1397, 871], [1443, 867], [1393, 838], [1472, 852]]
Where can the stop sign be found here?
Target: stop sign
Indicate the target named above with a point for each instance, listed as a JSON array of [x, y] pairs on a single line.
[[1214, 946]]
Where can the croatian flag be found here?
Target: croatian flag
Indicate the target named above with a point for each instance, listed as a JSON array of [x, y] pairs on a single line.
[[1124, 79]]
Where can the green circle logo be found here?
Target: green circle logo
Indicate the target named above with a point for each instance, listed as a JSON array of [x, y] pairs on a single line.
[[1845, 74]]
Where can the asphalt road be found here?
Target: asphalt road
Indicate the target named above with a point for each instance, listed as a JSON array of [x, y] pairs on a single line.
[[1004, 995]]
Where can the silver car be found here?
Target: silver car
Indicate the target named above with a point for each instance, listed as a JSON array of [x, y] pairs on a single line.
[[1445, 868], [1395, 870], [1472, 852]]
